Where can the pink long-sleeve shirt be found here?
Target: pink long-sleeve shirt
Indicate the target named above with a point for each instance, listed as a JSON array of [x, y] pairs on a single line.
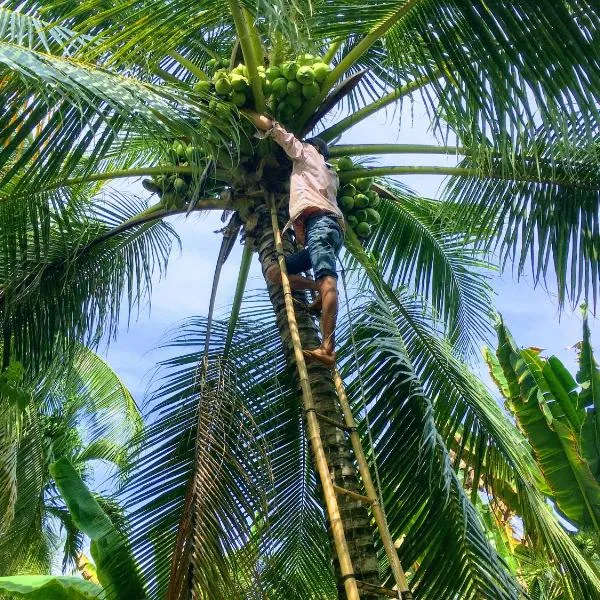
[[313, 185]]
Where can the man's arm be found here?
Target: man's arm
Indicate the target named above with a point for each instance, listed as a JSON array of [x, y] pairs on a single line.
[[260, 121], [291, 145]]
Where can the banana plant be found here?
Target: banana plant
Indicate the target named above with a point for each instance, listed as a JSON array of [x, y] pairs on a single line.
[[83, 413], [94, 94], [558, 414]]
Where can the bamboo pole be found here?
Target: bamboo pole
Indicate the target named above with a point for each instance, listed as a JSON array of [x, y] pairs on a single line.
[[388, 543], [335, 519]]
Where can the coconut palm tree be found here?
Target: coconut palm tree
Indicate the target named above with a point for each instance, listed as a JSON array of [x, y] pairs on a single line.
[[94, 92]]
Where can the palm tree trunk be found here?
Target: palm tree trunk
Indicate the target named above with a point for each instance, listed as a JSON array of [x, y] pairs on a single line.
[[359, 533]]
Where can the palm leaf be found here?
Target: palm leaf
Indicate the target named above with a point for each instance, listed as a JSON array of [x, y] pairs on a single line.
[[417, 247], [462, 404], [35, 273], [25, 30]]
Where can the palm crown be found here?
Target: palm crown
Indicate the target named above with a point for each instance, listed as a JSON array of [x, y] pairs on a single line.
[[95, 92]]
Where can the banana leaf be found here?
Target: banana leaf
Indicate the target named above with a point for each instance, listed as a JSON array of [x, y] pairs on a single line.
[[108, 547], [546, 404], [49, 587]]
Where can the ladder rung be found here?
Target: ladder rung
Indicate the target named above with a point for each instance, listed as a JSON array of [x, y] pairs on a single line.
[[369, 587], [335, 423], [355, 495]]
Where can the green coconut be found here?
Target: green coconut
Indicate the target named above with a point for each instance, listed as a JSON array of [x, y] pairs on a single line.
[[191, 152], [361, 215], [273, 73], [223, 86], [363, 230], [202, 86], [361, 201], [285, 110], [225, 63], [348, 190], [180, 185], [151, 186], [266, 87], [311, 90], [279, 86], [306, 59], [238, 82], [295, 101], [305, 75], [363, 184], [321, 70], [289, 70], [294, 88], [352, 221], [347, 203], [345, 163], [179, 149], [211, 64], [374, 199], [219, 74], [238, 98], [373, 216]]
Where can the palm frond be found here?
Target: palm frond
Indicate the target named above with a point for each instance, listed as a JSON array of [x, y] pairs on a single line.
[[443, 543], [287, 548], [462, 405], [58, 109], [106, 411], [23, 29], [202, 435], [499, 64], [543, 212], [35, 272], [418, 247]]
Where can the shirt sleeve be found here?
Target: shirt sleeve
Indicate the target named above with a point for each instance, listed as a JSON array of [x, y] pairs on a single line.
[[291, 145]]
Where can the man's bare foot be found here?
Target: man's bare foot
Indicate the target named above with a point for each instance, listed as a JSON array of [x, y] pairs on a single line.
[[320, 354]]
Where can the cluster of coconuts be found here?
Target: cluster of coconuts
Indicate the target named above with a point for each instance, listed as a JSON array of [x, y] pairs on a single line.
[[286, 87], [174, 188], [358, 201]]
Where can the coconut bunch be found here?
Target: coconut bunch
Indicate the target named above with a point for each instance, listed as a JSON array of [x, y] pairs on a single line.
[[286, 87], [173, 188], [358, 201]]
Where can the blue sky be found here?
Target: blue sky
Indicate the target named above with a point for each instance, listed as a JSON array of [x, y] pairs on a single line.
[[531, 314]]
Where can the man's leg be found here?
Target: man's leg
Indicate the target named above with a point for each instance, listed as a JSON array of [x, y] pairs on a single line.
[[324, 242], [329, 308], [294, 264]]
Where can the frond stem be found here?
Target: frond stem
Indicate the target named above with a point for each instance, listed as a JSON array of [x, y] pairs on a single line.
[[189, 65], [354, 118], [125, 173], [333, 48], [245, 35], [347, 61], [453, 172], [368, 149], [238, 296]]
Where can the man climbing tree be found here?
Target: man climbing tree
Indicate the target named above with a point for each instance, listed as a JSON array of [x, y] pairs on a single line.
[[318, 225]]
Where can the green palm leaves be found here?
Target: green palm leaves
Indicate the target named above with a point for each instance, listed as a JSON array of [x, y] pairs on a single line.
[[82, 414]]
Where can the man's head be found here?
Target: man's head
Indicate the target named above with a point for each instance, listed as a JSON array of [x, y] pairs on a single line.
[[320, 144]]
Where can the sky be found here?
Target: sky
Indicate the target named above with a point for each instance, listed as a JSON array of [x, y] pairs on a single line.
[[530, 313]]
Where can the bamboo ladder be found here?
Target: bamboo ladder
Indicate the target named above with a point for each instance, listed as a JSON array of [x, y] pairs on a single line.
[[330, 490]]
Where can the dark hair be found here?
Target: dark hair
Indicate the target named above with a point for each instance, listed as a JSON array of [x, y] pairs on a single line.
[[320, 144]]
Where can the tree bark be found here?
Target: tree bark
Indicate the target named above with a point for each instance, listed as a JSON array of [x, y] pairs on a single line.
[[357, 521]]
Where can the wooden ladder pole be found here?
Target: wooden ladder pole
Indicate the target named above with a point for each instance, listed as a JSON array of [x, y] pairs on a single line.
[[314, 434], [365, 473]]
